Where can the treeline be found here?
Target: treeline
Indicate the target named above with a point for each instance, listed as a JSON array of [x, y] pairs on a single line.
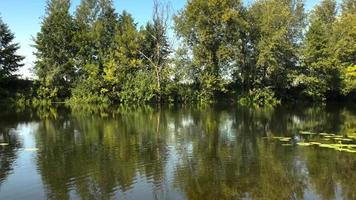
[[263, 53]]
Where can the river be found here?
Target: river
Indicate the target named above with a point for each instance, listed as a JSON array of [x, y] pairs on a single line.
[[211, 152]]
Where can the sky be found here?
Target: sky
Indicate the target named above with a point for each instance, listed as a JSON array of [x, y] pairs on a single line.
[[24, 19]]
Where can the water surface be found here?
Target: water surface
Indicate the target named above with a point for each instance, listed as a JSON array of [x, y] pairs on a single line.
[[217, 152]]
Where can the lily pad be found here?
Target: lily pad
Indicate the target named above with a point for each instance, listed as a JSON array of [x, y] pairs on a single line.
[[285, 139], [344, 139], [304, 144], [326, 134], [334, 136], [306, 133], [282, 139], [315, 143]]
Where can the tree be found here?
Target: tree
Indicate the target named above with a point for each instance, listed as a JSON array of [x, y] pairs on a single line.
[[156, 48], [55, 52], [211, 29], [320, 74], [343, 38], [121, 69], [348, 6], [349, 80], [344, 46], [96, 22], [10, 61], [277, 31]]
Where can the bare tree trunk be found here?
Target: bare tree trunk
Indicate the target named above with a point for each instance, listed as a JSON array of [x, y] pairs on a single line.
[[160, 16]]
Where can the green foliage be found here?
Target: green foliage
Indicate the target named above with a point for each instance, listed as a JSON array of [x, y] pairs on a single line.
[[138, 88], [348, 6], [343, 40], [90, 90], [278, 29], [349, 83], [212, 30], [321, 73], [12, 89], [55, 52], [259, 97], [10, 62], [261, 53]]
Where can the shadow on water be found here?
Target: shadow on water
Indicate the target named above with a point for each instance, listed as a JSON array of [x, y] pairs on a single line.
[[9, 141], [217, 152]]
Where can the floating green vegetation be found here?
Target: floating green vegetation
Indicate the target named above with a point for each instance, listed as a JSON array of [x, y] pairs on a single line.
[[315, 143], [352, 135], [326, 134], [304, 144], [333, 136], [282, 139], [306, 133], [344, 139], [323, 140], [350, 148], [285, 139]]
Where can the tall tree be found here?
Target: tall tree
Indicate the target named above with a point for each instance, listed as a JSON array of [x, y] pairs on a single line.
[[321, 73], [55, 51], [10, 61], [344, 35], [121, 69], [211, 29], [344, 46], [96, 22], [277, 27]]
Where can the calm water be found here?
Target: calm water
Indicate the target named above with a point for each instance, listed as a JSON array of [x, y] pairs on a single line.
[[176, 153]]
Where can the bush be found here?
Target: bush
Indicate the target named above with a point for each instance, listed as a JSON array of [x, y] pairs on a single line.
[[259, 97]]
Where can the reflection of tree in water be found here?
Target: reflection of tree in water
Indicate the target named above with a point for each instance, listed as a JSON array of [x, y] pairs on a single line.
[[95, 156], [230, 163], [221, 153], [330, 170], [8, 152], [9, 120], [214, 166]]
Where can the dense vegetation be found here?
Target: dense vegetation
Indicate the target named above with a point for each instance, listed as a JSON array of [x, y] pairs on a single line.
[[263, 53]]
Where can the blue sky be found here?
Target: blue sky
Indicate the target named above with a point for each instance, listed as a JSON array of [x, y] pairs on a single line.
[[24, 18]]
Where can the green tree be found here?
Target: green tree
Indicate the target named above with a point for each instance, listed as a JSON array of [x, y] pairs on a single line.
[[10, 61], [349, 80], [320, 74], [344, 46], [96, 23], [55, 52], [211, 30], [121, 72], [344, 37], [277, 31]]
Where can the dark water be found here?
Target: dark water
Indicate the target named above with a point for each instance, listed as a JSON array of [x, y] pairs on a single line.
[[175, 153]]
